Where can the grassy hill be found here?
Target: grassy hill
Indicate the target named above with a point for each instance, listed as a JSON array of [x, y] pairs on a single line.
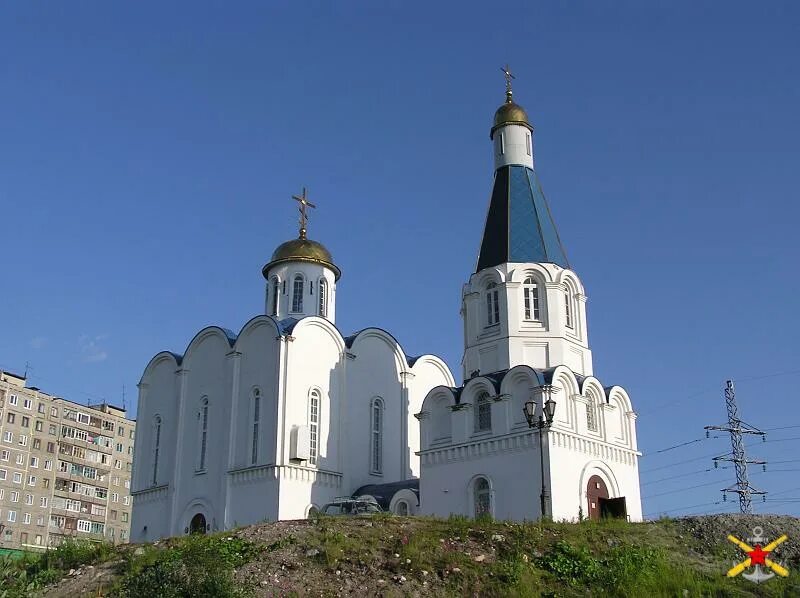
[[407, 556]]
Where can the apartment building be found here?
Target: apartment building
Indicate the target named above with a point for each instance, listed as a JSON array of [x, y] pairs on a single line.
[[65, 468]]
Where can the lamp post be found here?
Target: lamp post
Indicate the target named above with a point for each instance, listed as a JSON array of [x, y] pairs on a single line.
[[543, 423]]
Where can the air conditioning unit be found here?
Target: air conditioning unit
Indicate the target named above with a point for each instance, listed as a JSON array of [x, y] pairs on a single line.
[[300, 449]]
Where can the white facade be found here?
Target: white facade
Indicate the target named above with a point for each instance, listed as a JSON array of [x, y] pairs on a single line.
[[283, 416], [526, 339]]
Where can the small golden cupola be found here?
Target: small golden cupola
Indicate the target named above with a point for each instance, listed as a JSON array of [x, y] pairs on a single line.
[[301, 276], [510, 113], [302, 249]]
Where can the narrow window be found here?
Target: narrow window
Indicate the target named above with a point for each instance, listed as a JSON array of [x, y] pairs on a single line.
[[483, 413], [275, 295], [313, 421], [297, 294], [531, 290], [377, 436], [203, 416], [591, 415], [528, 143], [483, 504], [492, 304], [323, 297], [502, 144], [256, 418], [156, 447], [568, 309]]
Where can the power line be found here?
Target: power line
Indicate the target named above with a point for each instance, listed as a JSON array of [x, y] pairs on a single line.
[[682, 475], [683, 489], [669, 448]]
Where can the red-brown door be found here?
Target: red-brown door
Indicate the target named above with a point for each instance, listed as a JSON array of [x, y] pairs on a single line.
[[595, 490]]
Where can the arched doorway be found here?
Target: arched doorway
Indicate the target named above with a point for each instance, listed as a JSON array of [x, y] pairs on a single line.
[[595, 490], [198, 524]]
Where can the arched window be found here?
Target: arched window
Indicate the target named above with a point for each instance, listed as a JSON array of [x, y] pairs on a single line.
[[528, 143], [492, 304], [483, 413], [568, 309], [323, 298], [275, 287], [376, 436], [256, 418], [297, 294], [156, 446], [313, 427], [202, 416], [483, 497], [531, 291], [401, 508]]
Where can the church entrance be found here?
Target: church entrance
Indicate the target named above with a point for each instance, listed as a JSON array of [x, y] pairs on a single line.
[[596, 491], [198, 524]]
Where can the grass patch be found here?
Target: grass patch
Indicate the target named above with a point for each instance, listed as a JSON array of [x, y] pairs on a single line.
[[193, 566]]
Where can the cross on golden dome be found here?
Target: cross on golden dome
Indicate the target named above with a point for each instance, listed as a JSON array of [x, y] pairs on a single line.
[[507, 72], [304, 203]]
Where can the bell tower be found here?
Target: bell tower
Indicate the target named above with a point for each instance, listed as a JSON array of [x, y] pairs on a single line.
[[523, 304]]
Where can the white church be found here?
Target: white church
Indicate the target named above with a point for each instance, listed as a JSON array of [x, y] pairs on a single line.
[[289, 414]]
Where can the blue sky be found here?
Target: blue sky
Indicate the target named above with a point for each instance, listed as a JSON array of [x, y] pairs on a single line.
[[149, 152]]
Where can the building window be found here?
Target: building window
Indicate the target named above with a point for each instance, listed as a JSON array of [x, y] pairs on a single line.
[[10, 418], [402, 508], [376, 452], [323, 298], [275, 285], [297, 294], [12, 400], [203, 419], [256, 419], [568, 309], [483, 498], [156, 446], [531, 291], [591, 415], [502, 144], [528, 143], [492, 304], [313, 425], [483, 413]]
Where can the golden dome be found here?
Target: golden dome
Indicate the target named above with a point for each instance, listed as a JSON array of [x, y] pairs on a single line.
[[510, 113], [302, 250]]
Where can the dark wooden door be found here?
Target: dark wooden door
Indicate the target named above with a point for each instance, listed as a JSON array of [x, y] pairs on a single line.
[[198, 524], [595, 490]]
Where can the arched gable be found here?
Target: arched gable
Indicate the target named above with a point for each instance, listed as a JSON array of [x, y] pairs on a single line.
[[436, 416], [223, 334], [158, 360], [437, 393], [538, 271], [437, 363], [475, 386], [401, 364], [569, 278], [621, 395], [591, 387], [484, 277], [254, 324], [320, 324], [564, 378], [519, 383]]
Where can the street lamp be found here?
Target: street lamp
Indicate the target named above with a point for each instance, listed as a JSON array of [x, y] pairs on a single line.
[[543, 423]]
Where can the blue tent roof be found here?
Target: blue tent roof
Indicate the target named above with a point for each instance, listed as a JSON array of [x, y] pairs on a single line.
[[519, 226]]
